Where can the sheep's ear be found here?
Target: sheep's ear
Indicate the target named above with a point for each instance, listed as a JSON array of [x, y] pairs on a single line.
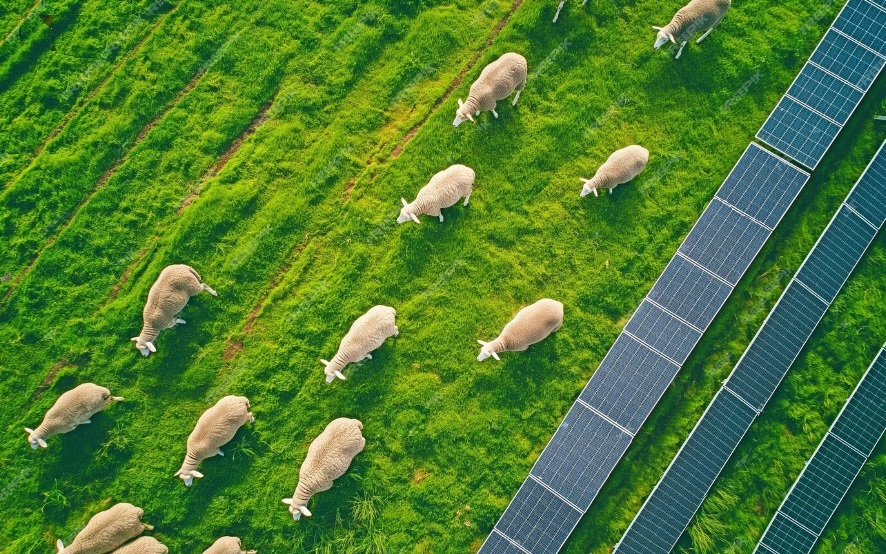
[[196, 474], [287, 501], [405, 203], [670, 36], [494, 355], [471, 118], [151, 346], [656, 28], [340, 375], [460, 103], [324, 362], [42, 443], [28, 431], [134, 339], [482, 343], [177, 473], [60, 545], [415, 218], [304, 510]]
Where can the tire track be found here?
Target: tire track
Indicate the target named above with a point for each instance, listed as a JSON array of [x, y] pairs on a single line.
[[20, 22], [78, 106], [102, 180]]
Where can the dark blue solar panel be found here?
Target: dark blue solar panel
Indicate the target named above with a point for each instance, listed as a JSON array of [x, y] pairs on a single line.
[[662, 331], [838, 250], [865, 23], [628, 383], [762, 185], [863, 420], [724, 241], [798, 132], [825, 480], [869, 196], [777, 344], [537, 520], [847, 59], [580, 456], [690, 292], [684, 486], [496, 544], [826, 94], [786, 537]]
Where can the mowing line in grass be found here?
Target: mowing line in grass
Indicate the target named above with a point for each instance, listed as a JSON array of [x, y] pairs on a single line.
[[20, 22]]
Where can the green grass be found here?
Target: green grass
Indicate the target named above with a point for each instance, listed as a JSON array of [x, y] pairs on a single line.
[[297, 233]]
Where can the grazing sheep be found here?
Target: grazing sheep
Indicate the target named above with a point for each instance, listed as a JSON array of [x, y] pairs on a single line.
[[215, 428], [328, 458], [72, 408], [227, 545], [622, 166], [367, 333], [143, 545], [444, 189], [697, 15], [167, 297], [496, 82], [532, 324], [107, 530]]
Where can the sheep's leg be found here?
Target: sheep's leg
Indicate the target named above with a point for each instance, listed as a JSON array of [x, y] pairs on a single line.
[[495, 113], [704, 36], [87, 421], [179, 320], [467, 199], [204, 286], [516, 97], [220, 453], [680, 51], [367, 357], [610, 191], [560, 7], [441, 216]]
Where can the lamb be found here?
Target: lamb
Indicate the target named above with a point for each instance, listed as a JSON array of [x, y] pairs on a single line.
[[215, 428], [444, 190], [496, 82], [532, 324], [227, 545], [695, 16], [143, 545], [167, 297], [328, 458], [622, 166], [107, 530], [73, 408], [367, 333]]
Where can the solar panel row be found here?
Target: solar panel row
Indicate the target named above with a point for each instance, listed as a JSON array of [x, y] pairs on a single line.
[[684, 485], [647, 356], [831, 84], [824, 481]]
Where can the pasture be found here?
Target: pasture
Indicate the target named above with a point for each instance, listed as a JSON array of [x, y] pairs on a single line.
[[268, 143]]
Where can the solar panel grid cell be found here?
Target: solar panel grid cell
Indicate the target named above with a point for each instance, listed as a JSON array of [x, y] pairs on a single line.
[[786, 537], [847, 59], [497, 544], [864, 22], [869, 197], [537, 519], [798, 132], [825, 93], [864, 417], [662, 331], [690, 292]]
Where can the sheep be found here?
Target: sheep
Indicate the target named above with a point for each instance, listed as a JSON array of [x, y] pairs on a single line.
[[621, 166], [444, 190], [107, 530], [167, 297], [72, 408], [695, 16], [227, 545], [143, 545], [496, 82], [328, 458], [215, 428], [532, 324], [367, 333]]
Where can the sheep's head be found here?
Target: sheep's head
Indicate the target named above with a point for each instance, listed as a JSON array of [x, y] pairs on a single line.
[[144, 346], [486, 351], [295, 510], [331, 375], [35, 440], [405, 214], [188, 476], [589, 187], [461, 114], [662, 37], [108, 399]]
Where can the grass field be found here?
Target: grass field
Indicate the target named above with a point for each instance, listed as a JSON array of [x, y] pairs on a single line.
[[267, 144]]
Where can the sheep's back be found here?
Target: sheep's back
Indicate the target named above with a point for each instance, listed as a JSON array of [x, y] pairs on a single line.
[[533, 324], [143, 545], [225, 545], [78, 404], [107, 530], [217, 426], [330, 454], [625, 164], [369, 331], [501, 77]]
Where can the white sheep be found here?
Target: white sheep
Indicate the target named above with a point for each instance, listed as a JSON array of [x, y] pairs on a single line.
[[73, 408], [367, 333], [227, 545], [696, 16], [167, 297], [496, 82], [215, 428], [442, 191], [107, 530], [621, 166], [532, 324], [329, 456], [143, 545]]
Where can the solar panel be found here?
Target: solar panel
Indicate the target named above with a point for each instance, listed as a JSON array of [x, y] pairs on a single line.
[[762, 185], [690, 292], [836, 254], [537, 519], [869, 199], [688, 479], [864, 22], [580, 456], [662, 331], [798, 132], [847, 59], [629, 382], [778, 342], [863, 419], [786, 537], [825, 94], [498, 544]]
